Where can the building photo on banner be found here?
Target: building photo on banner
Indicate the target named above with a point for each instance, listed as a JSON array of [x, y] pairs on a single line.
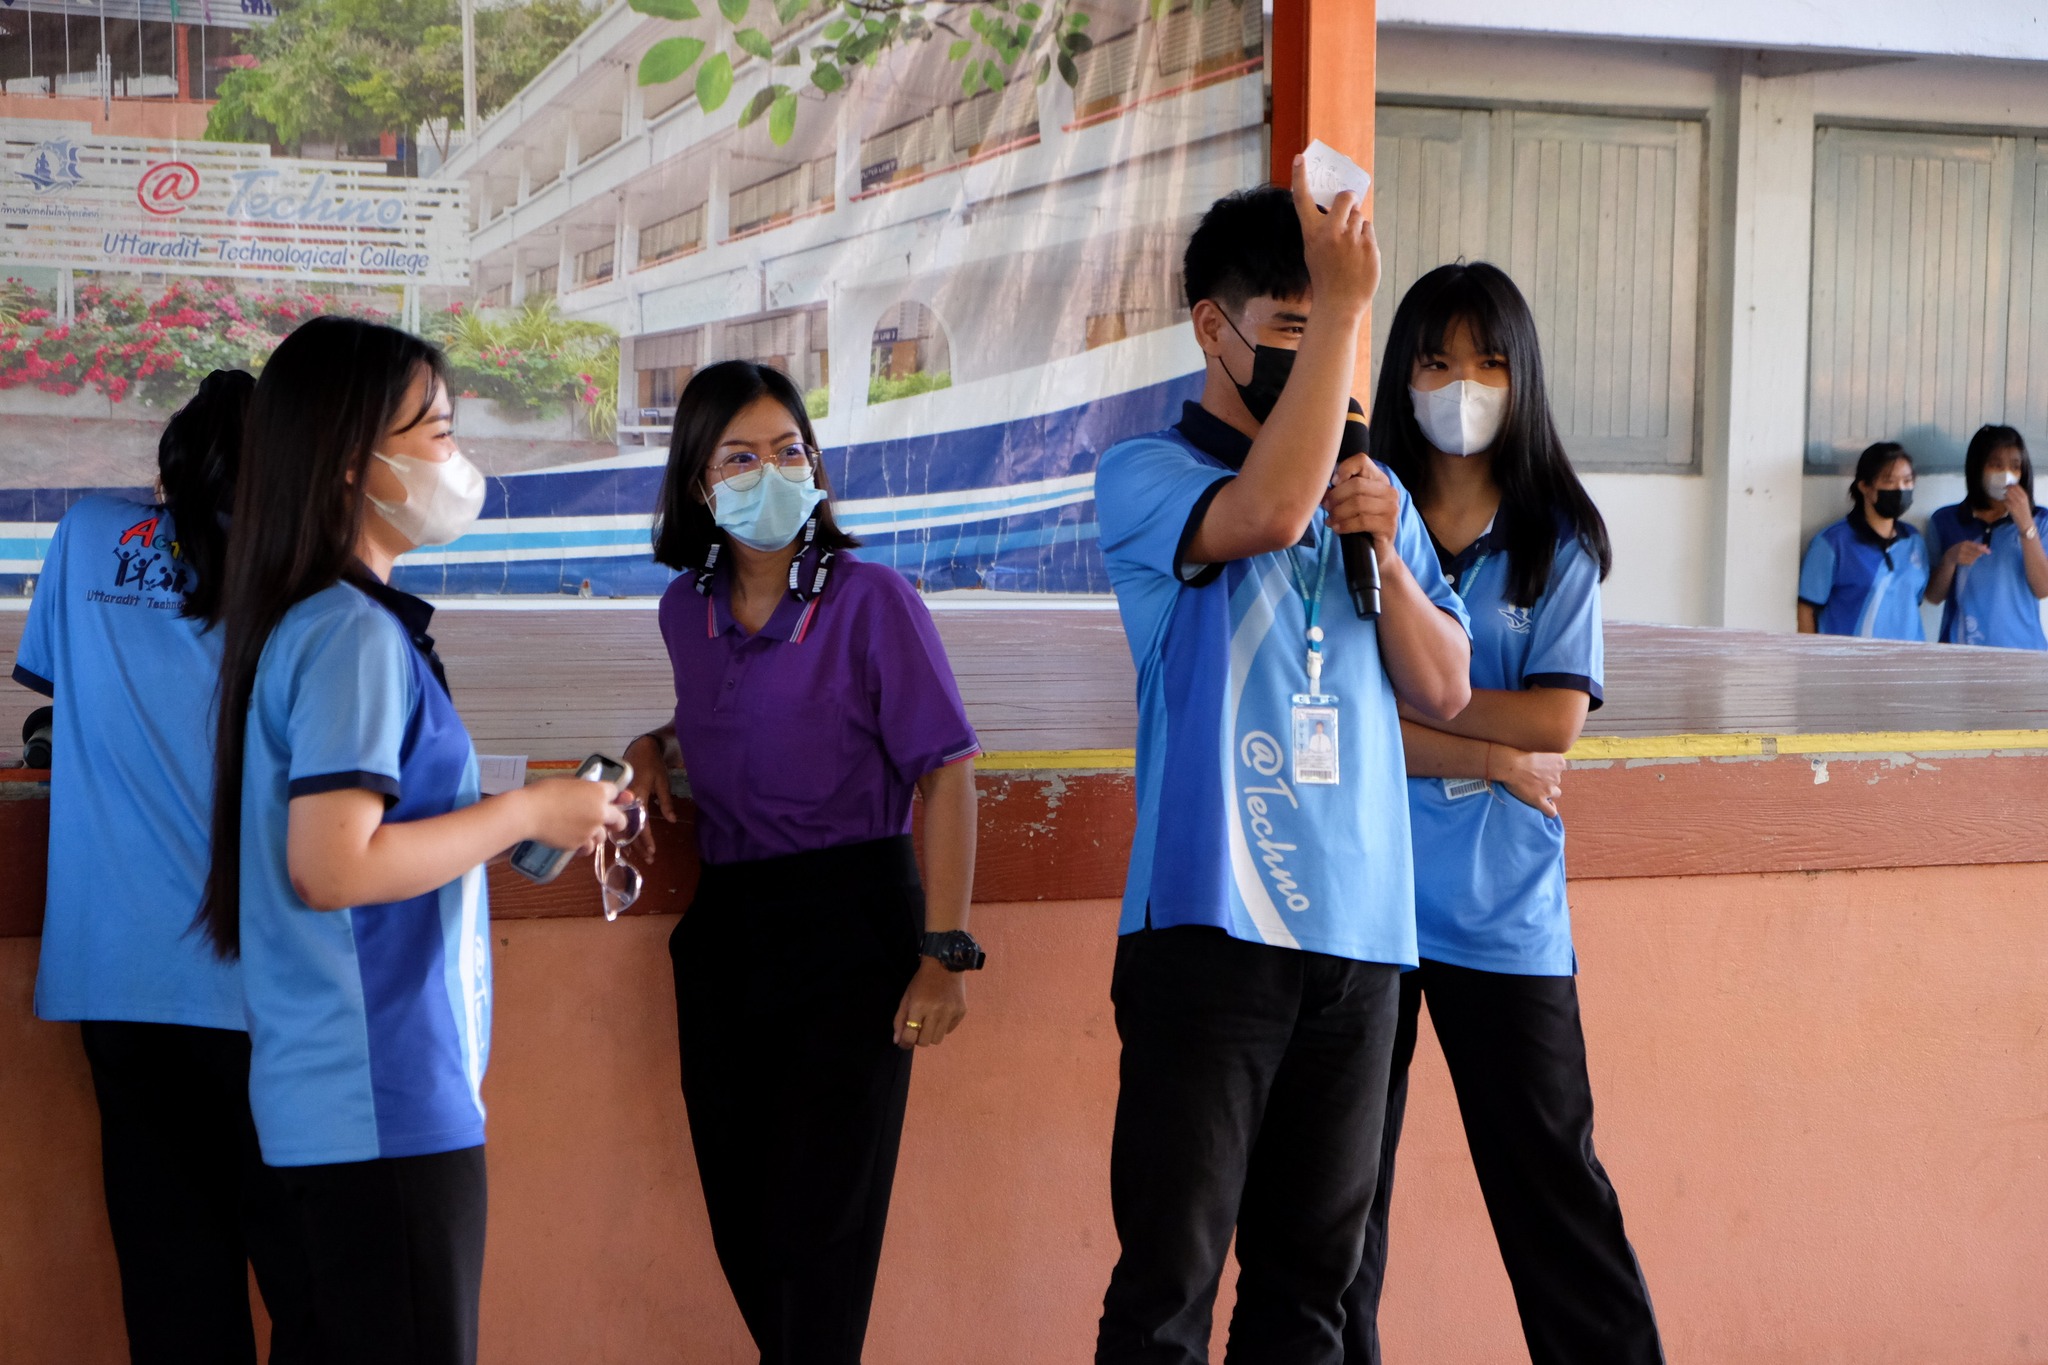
[[977, 290]]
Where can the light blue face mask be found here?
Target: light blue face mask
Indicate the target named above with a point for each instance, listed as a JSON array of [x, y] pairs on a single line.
[[768, 515]]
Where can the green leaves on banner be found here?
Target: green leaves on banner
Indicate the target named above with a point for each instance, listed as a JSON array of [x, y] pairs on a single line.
[[714, 82], [779, 103], [1005, 39], [668, 59], [666, 9]]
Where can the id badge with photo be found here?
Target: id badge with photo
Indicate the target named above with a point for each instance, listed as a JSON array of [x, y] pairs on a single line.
[[1315, 739]]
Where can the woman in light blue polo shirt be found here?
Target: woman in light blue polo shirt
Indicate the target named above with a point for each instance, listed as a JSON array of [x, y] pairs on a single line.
[[1864, 575], [1462, 418], [349, 841], [1990, 570], [115, 638]]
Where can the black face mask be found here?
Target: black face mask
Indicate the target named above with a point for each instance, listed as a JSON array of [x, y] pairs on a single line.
[[1270, 367], [1891, 503]]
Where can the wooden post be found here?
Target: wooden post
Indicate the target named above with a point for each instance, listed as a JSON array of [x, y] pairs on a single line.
[[1323, 83], [183, 59]]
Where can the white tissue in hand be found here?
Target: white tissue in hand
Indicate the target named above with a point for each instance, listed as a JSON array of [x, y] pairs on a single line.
[[1330, 173]]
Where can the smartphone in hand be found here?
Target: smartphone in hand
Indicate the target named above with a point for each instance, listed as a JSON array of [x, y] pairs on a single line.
[[539, 863]]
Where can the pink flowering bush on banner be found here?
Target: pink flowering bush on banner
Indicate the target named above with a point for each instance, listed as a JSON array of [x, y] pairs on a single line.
[[529, 361], [127, 345]]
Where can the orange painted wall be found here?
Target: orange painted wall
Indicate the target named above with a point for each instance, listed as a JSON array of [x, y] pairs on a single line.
[[1824, 1098]]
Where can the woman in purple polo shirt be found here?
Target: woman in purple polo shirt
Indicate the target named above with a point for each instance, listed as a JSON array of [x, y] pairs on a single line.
[[813, 698]]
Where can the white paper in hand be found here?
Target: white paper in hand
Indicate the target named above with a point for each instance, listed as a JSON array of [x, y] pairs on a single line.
[[1330, 173]]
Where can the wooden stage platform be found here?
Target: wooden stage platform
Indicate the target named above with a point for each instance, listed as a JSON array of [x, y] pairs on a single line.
[[556, 683]]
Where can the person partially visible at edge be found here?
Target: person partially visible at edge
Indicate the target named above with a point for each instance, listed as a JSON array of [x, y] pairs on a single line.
[[1270, 904], [1990, 572], [1865, 575], [116, 637], [813, 703], [349, 839], [1463, 419]]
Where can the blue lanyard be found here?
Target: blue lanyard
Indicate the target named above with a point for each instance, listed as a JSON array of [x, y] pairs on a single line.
[[1312, 602]]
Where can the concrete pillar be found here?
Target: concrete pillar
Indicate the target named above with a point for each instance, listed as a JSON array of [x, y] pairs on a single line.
[[626, 245], [632, 108], [571, 149], [1055, 112], [718, 198], [1755, 490], [943, 152], [846, 162]]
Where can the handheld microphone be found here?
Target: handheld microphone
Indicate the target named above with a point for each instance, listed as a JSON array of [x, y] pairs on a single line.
[[1361, 562]]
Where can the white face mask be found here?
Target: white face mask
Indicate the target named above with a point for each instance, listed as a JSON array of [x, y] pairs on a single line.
[[1461, 418], [1996, 481], [442, 497]]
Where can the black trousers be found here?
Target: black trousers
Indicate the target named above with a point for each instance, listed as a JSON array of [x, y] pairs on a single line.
[[1518, 1062], [788, 973], [1253, 1084], [190, 1202], [395, 1249]]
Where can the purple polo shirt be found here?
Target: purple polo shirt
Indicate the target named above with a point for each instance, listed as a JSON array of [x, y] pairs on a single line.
[[813, 732]]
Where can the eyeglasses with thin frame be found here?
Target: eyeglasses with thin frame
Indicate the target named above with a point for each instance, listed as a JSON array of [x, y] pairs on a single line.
[[618, 881], [742, 470]]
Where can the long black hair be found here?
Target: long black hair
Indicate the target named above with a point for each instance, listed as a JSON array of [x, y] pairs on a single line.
[[1871, 466], [328, 393], [684, 531], [196, 460], [1541, 496], [1990, 439]]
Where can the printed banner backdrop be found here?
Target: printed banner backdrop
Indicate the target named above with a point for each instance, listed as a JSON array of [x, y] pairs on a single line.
[[221, 208], [978, 295]]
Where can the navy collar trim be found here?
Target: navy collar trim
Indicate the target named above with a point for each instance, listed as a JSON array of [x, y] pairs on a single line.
[[1859, 526], [414, 614], [1494, 537], [1213, 436]]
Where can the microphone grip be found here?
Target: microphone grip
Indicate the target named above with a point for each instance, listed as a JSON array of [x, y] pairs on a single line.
[[1362, 572], [1361, 561]]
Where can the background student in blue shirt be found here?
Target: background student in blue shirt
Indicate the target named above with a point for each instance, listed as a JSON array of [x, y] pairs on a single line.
[[1865, 574], [1462, 417], [1990, 572], [348, 841], [116, 638], [1269, 906]]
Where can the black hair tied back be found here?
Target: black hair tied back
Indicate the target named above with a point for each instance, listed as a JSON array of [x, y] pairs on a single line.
[[196, 460]]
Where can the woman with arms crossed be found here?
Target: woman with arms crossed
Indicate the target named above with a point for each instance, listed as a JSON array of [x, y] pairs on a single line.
[[813, 700], [1462, 418], [349, 841]]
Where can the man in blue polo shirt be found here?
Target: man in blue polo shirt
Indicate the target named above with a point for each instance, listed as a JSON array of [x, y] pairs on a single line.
[[1270, 902]]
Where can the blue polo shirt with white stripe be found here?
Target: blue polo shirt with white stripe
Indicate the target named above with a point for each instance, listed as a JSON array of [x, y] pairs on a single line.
[[1225, 837], [1489, 885], [1989, 602], [369, 1027], [1860, 585]]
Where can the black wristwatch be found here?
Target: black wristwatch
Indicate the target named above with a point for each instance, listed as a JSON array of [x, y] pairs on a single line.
[[955, 950]]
